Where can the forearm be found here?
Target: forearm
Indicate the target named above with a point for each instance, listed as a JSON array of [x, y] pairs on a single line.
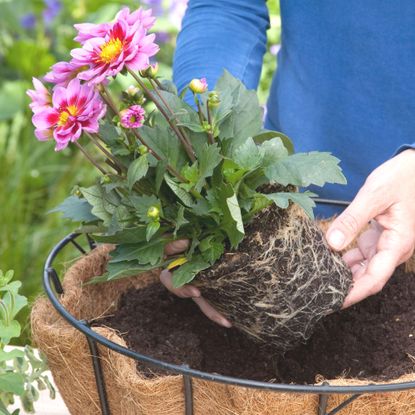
[[218, 35]]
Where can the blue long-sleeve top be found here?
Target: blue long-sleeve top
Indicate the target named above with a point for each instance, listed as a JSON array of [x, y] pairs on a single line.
[[346, 73]]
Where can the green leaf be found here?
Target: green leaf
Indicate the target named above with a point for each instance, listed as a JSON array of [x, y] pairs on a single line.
[[185, 273], [5, 356], [143, 203], [152, 228], [169, 86], [14, 301], [182, 111], [6, 278], [247, 155], [282, 199], [209, 158], [197, 128], [180, 220], [160, 172], [109, 133], [232, 217], [178, 191], [12, 383], [272, 151], [191, 173], [211, 249], [76, 209], [122, 269], [232, 172], [120, 219], [7, 331], [246, 117], [268, 135], [235, 212], [126, 236], [143, 253], [103, 203], [137, 170], [304, 169], [164, 142], [201, 208]]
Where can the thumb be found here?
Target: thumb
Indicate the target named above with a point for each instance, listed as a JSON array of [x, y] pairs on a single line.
[[352, 221]]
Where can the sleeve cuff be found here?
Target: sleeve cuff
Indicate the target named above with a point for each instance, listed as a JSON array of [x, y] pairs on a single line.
[[404, 147]]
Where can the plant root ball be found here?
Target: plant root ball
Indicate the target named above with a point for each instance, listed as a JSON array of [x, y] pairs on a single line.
[[281, 281]]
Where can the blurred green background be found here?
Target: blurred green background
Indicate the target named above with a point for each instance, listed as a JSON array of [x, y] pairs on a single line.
[[34, 34]]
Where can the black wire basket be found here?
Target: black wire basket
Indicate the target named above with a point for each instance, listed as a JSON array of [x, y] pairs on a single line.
[[53, 289]]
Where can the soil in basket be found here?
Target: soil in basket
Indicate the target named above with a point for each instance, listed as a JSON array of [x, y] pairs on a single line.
[[373, 340]]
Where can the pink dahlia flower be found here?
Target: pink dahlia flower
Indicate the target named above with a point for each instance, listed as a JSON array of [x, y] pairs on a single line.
[[88, 31], [123, 46], [74, 109], [40, 96], [132, 117], [144, 17], [63, 72]]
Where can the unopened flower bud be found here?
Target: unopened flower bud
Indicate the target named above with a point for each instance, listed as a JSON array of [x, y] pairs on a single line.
[[213, 99], [150, 71], [198, 86], [105, 179], [142, 149], [207, 127], [132, 91], [153, 212]]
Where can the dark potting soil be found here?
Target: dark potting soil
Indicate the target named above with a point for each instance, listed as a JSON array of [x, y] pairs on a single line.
[[372, 340]]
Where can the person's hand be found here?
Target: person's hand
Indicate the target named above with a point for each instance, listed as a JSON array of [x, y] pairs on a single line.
[[188, 290], [387, 201]]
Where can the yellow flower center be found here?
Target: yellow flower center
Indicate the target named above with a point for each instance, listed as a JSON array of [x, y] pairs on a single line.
[[111, 50], [72, 109], [63, 118], [64, 115]]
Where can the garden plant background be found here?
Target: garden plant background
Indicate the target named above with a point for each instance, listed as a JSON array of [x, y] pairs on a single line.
[[34, 34]]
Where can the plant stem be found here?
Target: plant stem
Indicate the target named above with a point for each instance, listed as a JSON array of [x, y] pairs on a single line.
[[187, 146], [156, 86], [109, 100], [113, 159], [107, 97], [89, 157], [159, 84], [171, 169], [199, 109], [210, 134], [202, 118]]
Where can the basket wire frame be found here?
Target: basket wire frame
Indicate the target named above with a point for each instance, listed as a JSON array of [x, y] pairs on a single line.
[[53, 289]]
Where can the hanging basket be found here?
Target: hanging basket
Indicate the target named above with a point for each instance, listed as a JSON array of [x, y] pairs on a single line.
[[97, 374]]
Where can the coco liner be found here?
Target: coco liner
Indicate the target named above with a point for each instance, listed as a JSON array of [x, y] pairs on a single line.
[[282, 280], [131, 391]]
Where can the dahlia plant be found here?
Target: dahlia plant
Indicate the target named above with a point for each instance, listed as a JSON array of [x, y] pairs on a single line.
[[206, 172]]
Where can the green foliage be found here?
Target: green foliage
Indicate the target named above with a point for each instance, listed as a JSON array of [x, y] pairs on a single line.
[[137, 170], [21, 371], [76, 209], [206, 195], [34, 177], [188, 271]]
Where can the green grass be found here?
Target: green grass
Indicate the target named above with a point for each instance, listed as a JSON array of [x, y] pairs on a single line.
[[33, 180]]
